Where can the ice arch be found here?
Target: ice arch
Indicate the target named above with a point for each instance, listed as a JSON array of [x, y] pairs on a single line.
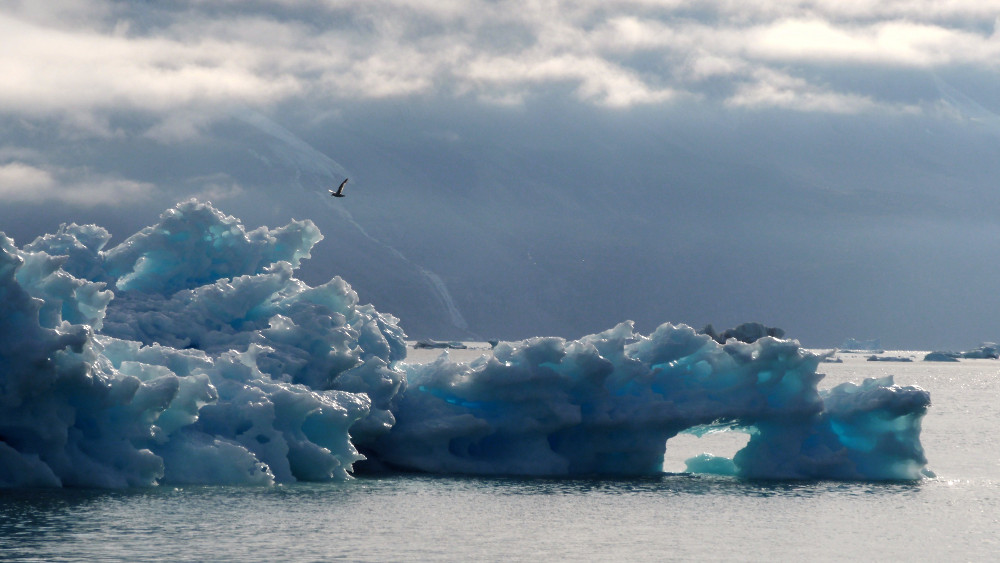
[[608, 404]]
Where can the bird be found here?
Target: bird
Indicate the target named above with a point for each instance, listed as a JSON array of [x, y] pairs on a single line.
[[340, 190]]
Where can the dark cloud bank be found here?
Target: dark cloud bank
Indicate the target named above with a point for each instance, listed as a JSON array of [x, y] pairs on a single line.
[[563, 219]]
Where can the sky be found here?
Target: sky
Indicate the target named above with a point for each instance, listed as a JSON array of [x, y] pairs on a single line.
[[543, 167]]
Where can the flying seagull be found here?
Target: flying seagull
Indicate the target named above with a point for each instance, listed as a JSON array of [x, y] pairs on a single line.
[[340, 190]]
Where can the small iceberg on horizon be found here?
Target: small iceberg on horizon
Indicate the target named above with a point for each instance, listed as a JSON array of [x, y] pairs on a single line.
[[436, 344], [873, 346], [986, 351]]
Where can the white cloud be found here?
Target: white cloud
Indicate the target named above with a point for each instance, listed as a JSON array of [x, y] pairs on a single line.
[[27, 183], [773, 89], [890, 43], [216, 187], [19, 180], [49, 70], [105, 191], [177, 126], [630, 33], [82, 60], [702, 65], [961, 11], [595, 79]]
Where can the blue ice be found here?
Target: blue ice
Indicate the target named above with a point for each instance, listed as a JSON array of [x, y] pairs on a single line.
[[190, 353]]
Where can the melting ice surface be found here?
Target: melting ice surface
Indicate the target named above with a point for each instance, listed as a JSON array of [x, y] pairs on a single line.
[[190, 353]]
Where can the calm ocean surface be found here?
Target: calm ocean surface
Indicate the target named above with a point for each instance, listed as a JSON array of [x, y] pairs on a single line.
[[953, 517]]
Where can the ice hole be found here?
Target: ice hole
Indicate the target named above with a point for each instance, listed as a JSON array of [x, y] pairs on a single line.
[[722, 443]]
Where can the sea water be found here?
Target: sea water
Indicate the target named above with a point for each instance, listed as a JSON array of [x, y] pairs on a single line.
[[954, 516]]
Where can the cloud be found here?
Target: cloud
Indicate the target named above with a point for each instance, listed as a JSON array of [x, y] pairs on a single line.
[[778, 90], [26, 183], [178, 126], [216, 187], [887, 43], [183, 64], [594, 79], [50, 70], [959, 11], [19, 180]]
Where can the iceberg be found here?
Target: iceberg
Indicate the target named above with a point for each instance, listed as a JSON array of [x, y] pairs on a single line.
[[610, 402], [986, 351], [941, 357], [190, 353], [454, 345], [856, 345], [877, 358], [187, 354]]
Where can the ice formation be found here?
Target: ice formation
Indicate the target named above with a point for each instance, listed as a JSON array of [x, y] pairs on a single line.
[[190, 353], [187, 354], [855, 345], [986, 351], [609, 403]]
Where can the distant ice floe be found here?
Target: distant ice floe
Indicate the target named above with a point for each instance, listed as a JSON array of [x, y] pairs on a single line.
[[190, 353], [877, 358], [986, 351], [452, 345]]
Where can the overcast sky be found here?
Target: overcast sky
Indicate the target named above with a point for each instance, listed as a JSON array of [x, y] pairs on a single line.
[[543, 167]]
